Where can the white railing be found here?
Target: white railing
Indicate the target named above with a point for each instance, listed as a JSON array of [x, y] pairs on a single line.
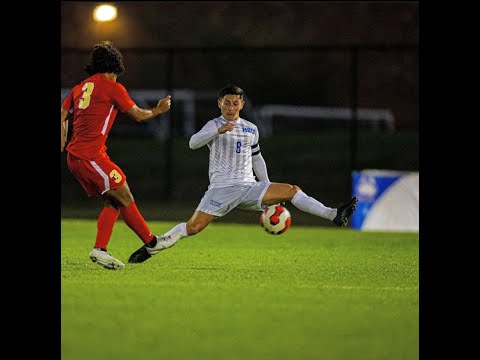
[[373, 117], [263, 116]]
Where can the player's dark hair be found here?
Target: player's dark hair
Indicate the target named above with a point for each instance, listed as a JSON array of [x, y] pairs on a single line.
[[231, 90], [105, 58]]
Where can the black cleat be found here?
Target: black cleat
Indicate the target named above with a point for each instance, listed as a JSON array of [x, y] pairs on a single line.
[[140, 255], [344, 212]]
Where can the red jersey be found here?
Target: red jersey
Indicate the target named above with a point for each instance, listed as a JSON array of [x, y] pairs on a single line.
[[94, 103]]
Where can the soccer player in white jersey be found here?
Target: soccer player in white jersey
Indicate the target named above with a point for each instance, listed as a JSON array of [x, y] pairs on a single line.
[[234, 157]]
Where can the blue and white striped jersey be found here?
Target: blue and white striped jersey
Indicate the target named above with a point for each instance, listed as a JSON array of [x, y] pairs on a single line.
[[230, 153]]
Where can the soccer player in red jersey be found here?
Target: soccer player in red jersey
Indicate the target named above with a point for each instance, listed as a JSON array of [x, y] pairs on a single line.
[[94, 104]]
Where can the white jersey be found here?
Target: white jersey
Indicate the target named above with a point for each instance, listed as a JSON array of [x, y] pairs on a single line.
[[230, 153]]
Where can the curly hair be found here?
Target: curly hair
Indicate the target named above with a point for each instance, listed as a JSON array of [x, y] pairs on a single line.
[[105, 58]]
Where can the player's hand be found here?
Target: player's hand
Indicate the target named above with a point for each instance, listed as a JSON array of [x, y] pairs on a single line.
[[229, 126], [164, 104]]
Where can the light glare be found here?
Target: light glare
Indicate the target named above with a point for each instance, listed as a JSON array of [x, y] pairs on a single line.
[[105, 13]]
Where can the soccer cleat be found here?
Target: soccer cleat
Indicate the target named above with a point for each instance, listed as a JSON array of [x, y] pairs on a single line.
[[344, 211], [163, 242], [158, 244], [140, 255], [105, 259]]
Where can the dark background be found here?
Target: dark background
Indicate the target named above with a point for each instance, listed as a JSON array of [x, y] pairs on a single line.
[[351, 55]]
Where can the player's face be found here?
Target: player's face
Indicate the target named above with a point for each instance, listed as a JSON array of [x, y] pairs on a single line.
[[230, 106]]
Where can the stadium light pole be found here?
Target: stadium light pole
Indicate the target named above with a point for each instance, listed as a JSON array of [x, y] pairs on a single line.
[[169, 153], [354, 118]]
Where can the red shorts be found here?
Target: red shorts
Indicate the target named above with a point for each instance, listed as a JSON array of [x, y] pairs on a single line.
[[96, 176]]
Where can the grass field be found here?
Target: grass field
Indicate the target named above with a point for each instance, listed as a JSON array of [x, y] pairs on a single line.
[[236, 292]]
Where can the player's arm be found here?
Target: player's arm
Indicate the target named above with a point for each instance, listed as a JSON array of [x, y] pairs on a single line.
[[258, 164], [65, 114], [63, 128], [207, 134], [139, 114]]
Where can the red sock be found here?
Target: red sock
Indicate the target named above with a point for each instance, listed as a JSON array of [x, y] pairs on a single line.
[[106, 221], [136, 222]]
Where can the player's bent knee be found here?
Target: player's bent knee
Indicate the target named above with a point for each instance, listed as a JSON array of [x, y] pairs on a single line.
[[193, 229], [294, 189]]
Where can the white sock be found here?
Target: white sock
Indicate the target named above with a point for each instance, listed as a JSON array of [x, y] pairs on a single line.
[[176, 233], [179, 228], [308, 204]]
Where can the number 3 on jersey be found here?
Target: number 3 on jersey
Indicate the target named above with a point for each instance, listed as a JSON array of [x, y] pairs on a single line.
[[87, 92]]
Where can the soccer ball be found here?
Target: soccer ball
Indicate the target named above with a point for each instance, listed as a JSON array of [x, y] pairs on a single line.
[[275, 219]]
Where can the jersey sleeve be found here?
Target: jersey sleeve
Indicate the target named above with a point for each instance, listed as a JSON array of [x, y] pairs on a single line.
[[260, 167], [204, 135], [256, 145], [258, 162], [122, 99]]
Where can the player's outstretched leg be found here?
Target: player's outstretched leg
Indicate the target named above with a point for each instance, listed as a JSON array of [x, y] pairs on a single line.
[[344, 211]]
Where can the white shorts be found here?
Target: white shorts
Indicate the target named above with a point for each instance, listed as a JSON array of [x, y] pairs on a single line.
[[220, 201]]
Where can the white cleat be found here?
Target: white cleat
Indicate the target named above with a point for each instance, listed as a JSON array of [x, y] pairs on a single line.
[[163, 242], [105, 259]]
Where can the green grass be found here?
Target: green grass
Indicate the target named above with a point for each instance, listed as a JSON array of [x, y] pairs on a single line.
[[236, 292]]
